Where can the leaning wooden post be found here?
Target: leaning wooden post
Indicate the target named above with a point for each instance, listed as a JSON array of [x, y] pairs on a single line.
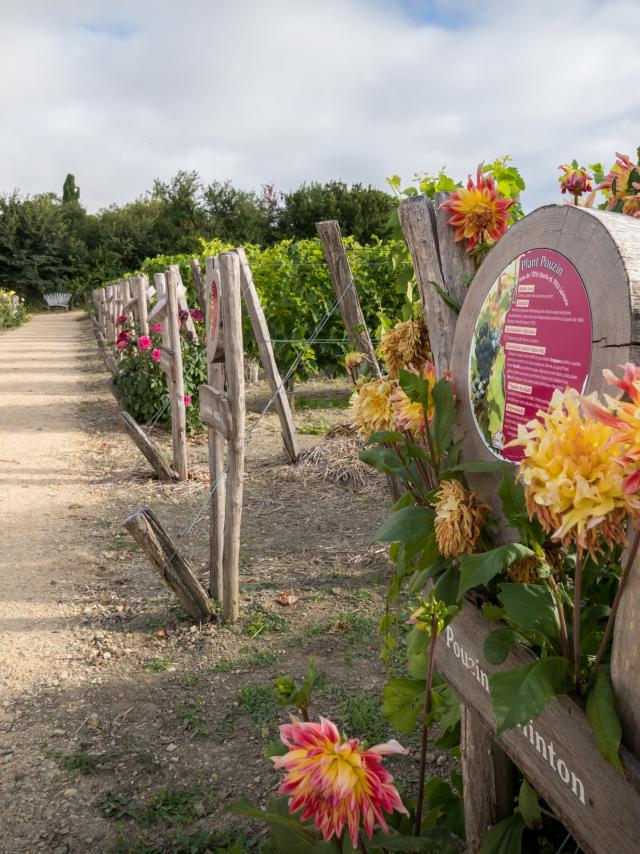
[[178, 413], [263, 340], [234, 363], [183, 305], [145, 528], [344, 286], [486, 769], [216, 438]]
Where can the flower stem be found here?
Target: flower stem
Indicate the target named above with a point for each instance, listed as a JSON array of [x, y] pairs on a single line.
[[577, 592], [432, 450], [616, 602], [412, 480], [361, 845], [564, 637], [425, 726]]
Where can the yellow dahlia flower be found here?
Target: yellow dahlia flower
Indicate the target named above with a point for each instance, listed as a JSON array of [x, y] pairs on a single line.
[[408, 415], [336, 783], [371, 409], [572, 481], [405, 345], [617, 184], [459, 517]]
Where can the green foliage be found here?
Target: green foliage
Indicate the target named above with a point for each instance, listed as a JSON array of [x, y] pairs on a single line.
[[11, 314], [479, 569], [601, 711], [505, 837], [519, 695]]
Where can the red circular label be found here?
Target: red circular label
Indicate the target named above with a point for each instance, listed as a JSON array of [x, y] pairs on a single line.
[[532, 336]]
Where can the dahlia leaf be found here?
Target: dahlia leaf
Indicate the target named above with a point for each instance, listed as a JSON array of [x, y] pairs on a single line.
[[498, 644], [520, 695], [605, 723], [447, 585], [505, 837], [529, 805], [299, 839], [446, 299], [402, 703], [531, 608], [406, 525], [512, 498], [444, 415], [479, 569], [434, 840]]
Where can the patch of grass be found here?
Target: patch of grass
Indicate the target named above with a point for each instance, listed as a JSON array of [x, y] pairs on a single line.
[[191, 715], [259, 702], [265, 622], [359, 714], [174, 806], [322, 403], [158, 665], [155, 622], [189, 679], [167, 805], [183, 841], [119, 806], [81, 761], [353, 625], [248, 658], [313, 429]]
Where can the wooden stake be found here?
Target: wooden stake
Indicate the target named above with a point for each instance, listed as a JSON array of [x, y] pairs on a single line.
[[148, 448], [234, 363], [199, 284], [263, 340], [140, 285], [152, 538], [183, 305], [417, 219], [344, 286], [178, 413], [215, 379]]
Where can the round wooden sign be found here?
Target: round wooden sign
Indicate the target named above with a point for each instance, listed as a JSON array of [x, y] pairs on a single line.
[[555, 302]]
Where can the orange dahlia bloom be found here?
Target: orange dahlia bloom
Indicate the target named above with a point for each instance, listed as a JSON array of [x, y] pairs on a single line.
[[623, 417], [617, 184], [479, 213], [409, 415], [334, 781]]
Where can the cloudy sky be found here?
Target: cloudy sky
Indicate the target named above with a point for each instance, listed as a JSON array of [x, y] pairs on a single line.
[[287, 91]]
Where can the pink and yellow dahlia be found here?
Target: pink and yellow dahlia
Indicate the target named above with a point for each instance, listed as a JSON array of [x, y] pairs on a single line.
[[371, 409], [575, 181], [617, 184], [623, 417], [409, 415], [479, 213], [335, 782], [572, 480]]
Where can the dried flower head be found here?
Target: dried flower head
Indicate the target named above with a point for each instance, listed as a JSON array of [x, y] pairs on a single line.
[[479, 213], [573, 483], [404, 345], [459, 518], [334, 781], [371, 409]]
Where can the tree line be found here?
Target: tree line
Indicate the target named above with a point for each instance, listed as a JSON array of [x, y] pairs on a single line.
[[50, 242]]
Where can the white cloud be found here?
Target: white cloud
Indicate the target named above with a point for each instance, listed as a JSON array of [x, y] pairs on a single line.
[[294, 90]]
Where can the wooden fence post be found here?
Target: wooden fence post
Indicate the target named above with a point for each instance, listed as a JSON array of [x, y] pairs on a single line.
[[183, 305], [417, 218], [486, 769], [263, 340], [346, 293], [139, 285], [234, 363], [199, 284], [178, 413], [216, 441]]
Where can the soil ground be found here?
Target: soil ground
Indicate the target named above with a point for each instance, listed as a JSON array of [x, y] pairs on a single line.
[[123, 727]]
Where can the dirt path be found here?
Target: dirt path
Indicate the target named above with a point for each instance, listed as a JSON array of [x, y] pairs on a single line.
[[123, 727], [42, 487]]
